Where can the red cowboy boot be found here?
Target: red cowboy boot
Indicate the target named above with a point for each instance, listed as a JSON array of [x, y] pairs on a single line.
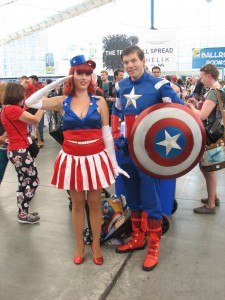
[[154, 236], [139, 227]]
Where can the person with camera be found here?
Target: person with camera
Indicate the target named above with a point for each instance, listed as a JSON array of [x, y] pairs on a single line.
[[209, 112], [15, 119]]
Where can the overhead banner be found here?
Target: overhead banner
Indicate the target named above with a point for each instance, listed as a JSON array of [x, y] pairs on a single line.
[[159, 49], [49, 63], [202, 56]]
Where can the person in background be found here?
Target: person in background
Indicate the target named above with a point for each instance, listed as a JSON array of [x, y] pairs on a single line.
[[29, 90], [134, 94], [118, 75], [107, 87], [87, 161], [3, 137], [173, 86], [184, 93], [156, 71], [209, 76], [29, 87], [15, 120], [193, 83], [175, 83], [40, 129]]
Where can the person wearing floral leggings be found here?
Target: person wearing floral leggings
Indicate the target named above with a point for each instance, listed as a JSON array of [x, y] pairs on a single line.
[[15, 121], [27, 177]]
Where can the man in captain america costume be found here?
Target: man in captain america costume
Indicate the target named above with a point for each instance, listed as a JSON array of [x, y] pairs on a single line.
[[135, 94]]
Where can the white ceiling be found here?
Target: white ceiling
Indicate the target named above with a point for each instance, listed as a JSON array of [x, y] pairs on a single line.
[[19, 18]]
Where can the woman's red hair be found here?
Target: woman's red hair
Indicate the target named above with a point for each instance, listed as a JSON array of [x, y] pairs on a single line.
[[86, 68]]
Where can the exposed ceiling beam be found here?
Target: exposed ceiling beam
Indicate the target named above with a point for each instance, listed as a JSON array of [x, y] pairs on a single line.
[[64, 15]]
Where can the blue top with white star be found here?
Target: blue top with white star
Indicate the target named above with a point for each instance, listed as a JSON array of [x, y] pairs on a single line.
[[135, 96]]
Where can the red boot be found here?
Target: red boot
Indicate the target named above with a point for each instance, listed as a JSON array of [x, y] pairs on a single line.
[[154, 235], [139, 227]]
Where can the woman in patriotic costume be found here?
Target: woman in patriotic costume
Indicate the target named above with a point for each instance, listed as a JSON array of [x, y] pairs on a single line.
[[87, 160]]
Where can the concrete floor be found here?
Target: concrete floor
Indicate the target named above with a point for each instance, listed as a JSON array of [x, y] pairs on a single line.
[[36, 261]]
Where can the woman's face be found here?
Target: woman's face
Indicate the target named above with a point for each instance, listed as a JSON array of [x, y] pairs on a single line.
[[206, 79], [81, 80]]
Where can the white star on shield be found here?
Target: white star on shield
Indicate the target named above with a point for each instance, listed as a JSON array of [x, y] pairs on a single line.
[[170, 142], [131, 98]]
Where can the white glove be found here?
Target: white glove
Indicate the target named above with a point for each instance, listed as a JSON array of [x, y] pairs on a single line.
[[109, 145], [35, 100]]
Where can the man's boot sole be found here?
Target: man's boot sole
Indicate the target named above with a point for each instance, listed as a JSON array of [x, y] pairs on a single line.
[[130, 250], [149, 268]]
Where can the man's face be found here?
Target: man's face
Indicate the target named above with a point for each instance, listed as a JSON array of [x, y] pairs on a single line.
[[156, 72], [133, 66], [119, 76], [104, 76]]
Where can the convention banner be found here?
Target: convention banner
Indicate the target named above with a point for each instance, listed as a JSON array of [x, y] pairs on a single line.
[[159, 49], [202, 56], [49, 63]]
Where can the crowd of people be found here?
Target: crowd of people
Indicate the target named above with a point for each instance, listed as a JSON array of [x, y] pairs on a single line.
[[87, 161]]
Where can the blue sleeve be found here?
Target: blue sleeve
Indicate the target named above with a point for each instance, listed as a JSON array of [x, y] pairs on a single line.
[[167, 93]]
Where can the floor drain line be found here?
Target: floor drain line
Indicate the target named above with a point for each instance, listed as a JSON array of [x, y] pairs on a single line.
[[115, 278]]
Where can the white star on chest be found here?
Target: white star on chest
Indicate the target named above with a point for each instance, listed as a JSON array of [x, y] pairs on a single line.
[[170, 142], [132, 98]]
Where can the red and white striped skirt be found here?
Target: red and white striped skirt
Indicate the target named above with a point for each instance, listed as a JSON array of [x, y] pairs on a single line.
[[83, 163], [81, 173]]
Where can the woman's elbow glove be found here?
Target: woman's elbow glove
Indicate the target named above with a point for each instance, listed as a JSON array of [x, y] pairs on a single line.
[[35, 100], [108, 141]]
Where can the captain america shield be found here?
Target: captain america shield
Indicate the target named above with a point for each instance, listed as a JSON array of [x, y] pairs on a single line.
[[167, 140]]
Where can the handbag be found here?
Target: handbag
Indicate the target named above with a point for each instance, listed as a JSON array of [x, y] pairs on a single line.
[[56, 127], [32, 146], [213, 158], [214, 130], [33, 149]]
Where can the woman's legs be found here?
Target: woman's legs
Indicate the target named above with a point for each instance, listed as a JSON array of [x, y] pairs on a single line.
[[211, 183], [27, 178], [95, 215], [78, 204]]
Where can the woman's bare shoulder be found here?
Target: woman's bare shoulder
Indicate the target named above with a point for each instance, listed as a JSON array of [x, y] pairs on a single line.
[[100, 99]]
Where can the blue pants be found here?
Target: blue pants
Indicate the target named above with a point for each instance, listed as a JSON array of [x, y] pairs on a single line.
[[142, 191], [3, 162], [41, 128]]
